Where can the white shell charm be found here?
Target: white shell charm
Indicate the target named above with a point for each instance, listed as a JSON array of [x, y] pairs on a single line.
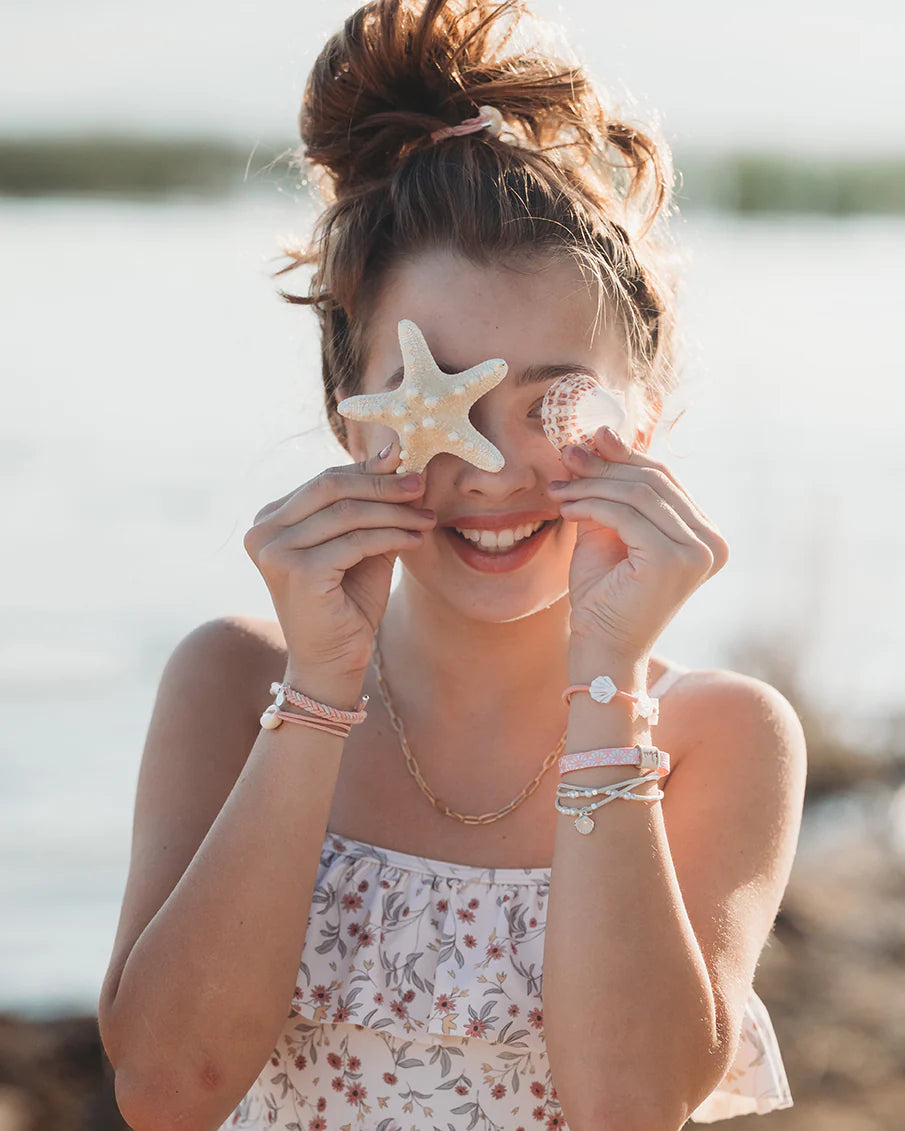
[[270, 720], [602, 689], [584, 824], [576, 405]]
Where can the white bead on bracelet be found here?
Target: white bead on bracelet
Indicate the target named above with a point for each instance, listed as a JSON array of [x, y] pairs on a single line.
[[584, 823]]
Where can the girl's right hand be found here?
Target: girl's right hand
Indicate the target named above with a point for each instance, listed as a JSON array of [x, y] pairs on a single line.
[[326, 552]]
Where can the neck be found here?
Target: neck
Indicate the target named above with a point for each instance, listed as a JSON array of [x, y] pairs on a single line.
[[459, 670]]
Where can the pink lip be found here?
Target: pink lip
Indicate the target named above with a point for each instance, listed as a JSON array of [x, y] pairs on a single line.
[[499, 521]]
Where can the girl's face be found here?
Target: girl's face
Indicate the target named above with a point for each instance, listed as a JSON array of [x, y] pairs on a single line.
[[531, 317]]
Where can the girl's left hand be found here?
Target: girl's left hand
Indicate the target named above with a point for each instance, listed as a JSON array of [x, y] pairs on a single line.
[[643, 546]]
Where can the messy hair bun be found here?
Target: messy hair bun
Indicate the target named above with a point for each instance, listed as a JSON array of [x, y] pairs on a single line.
[[567, 174]]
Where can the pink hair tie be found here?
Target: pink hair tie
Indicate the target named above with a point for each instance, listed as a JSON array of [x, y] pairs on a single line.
[[602, 690], [487, 117], [644, 757]]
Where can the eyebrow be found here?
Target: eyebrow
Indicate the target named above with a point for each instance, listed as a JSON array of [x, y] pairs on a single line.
[[531, 375]]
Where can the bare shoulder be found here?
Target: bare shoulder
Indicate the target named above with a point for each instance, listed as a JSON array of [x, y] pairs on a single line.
[[721, 714]]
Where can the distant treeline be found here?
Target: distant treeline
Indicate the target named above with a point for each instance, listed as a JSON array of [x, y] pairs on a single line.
[[154, 168]]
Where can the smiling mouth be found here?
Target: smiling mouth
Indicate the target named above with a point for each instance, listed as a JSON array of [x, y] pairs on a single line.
[[501, 551]]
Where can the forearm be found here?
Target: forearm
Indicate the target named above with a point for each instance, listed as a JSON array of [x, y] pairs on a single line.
[[629, 1015], [207, 986]]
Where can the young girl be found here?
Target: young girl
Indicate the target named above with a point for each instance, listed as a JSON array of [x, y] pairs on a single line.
[[415, 915]]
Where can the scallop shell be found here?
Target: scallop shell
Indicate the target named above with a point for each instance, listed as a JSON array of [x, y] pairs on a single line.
[[576, 405]]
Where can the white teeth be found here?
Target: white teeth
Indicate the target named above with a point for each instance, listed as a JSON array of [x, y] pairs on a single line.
[[499, 539]]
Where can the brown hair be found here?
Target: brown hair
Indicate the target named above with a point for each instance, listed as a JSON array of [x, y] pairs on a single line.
[[566, 175]]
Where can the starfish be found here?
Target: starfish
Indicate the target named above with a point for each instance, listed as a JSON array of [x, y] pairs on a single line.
[[430, 408]]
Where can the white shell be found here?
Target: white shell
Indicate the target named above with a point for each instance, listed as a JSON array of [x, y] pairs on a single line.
[[584, 824], [270, 720], [576, 405], [602, 688]]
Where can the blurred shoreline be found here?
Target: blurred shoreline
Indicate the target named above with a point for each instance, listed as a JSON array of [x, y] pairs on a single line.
[[149, 167]]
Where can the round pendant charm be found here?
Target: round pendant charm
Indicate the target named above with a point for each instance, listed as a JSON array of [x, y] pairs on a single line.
[[270, 720], [584, 824]]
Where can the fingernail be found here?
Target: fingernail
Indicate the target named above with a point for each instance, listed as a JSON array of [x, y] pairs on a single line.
[[384, 454], [555, 484], [413, 480], [576, 451], [612, 435]]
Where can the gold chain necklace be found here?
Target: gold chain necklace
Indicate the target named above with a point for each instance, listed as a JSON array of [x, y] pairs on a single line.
[[415, 771]]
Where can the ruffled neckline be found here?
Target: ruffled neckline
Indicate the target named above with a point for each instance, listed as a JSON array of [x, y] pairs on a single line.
[[336, 844]]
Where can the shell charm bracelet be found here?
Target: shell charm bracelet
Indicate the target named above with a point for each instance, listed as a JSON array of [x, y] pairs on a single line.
[[602, 689]]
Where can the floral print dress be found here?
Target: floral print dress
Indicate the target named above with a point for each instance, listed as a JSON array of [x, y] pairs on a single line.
[[418, 1007]]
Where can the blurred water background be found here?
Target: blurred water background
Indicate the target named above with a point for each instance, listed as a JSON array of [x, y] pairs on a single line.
[[156, 393]]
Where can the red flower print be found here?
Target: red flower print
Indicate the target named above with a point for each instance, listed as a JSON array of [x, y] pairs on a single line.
[[363, 886], [356, 1093], [340, 1014], [473, 903], [354, 928], [462, 1089], [444, 1004], [384, 883], [513, 1010], [494, 950], [539, 1113], [405, 912], [536, 1017], [475, 1027], [465, 915], [553, 1092], [351, 901], [321, 1103], [469, 940], [298, 991], [389, 1077], [498, 1091], [337, 1083], [556, 1120], [398, 1008], [321, 995], [275, 1060], [300, 1062], [354, 1064], [334, 1060], [365, 937], [532, 922], [537, 1089], [317, 1124], [442, 905], [409, 995], [378, 998]]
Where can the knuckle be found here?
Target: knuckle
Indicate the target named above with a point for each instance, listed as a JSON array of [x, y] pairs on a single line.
[[640, 493]]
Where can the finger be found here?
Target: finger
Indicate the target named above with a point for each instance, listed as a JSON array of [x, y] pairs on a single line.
[[369, 479], [348, 514], [611, 449], [341, 554], [647, 503], [657, 475], [639, 533]]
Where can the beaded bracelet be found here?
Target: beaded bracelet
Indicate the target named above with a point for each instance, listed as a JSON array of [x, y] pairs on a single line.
[[584, 822]]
